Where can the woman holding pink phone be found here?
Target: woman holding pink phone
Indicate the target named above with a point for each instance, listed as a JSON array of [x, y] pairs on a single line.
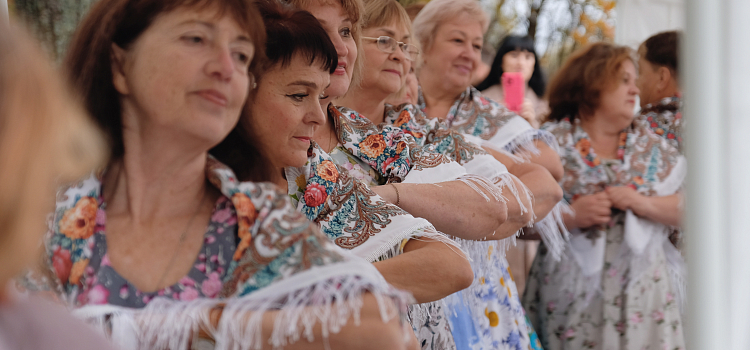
[[516, 55]]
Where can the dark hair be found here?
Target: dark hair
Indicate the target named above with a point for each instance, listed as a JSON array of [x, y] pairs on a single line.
[[662, 49], [121, 22], [512, 43], [291, 31], [578, 85]]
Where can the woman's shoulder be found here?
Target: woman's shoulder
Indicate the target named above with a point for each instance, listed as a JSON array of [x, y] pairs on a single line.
[[494, 92]]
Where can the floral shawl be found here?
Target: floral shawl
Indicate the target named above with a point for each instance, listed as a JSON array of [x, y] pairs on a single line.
[[665, 119], [648, 164], [492, 125], [499, 127], [282, 264], [492, 301], [350, 214]]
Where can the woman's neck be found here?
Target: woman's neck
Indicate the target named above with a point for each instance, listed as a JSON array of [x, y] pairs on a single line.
[[438, 100], [604, 137], [156, 178], [366, 102]]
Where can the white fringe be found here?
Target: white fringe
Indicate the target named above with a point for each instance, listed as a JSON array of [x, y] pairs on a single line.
[[507, 180], [168, 324], [552, 230], [485, 187]]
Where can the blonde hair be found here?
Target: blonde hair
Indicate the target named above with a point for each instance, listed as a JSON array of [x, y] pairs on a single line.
[[436, 12], [45, 139], [384, 12], [354, 10]]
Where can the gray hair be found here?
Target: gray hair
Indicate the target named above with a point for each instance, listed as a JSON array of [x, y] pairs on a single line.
[[436, 12]]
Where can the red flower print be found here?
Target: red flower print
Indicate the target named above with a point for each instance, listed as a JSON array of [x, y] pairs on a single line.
[[62, 264], [315, 195], [390, 160], [583, 146], [246, 216]]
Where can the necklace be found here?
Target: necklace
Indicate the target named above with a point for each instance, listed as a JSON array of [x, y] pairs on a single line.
[[183, 236]]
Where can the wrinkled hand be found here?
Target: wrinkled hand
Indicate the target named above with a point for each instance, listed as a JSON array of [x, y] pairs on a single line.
[[528, 113], [624, 198], [592, 210]]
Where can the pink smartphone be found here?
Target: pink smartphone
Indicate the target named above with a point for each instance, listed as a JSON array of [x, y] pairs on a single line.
[[513, 89]]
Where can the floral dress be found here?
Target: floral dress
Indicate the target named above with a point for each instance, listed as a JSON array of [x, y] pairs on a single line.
[[103, 285], [665, 119], [258, 255], [618, 286]]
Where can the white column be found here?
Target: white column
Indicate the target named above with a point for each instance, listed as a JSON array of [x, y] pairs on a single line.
[[717, 111]]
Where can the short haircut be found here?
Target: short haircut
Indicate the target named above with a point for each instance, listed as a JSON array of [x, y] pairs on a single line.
[[512, 43], [436, 12], [291, 32], [46, 138], [121, 22], [577, 86], [662, 49]]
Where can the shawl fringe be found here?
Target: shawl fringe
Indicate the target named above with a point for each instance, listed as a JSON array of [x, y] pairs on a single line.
[[553, 231], [522, 146], [168, 324]]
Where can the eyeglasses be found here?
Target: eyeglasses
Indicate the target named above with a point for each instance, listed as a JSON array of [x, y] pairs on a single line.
[[388, 45]]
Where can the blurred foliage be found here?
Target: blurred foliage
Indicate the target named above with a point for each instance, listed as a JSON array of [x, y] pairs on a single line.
[[52, 21], [559, 27]]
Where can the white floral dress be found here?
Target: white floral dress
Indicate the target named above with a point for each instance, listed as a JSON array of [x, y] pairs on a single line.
[[603, 293]]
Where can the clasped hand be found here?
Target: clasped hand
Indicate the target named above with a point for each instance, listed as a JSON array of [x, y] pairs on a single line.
[[596, 209]]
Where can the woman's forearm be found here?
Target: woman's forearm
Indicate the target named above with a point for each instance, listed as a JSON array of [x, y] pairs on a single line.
[[370, 333], [452, 207], [429, 270], [665, 210], [549, 159]]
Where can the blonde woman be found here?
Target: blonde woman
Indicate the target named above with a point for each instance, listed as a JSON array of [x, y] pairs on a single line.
[[45, 139]]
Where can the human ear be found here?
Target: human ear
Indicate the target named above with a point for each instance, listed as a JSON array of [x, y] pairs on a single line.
[[665, 76], [117, 61]]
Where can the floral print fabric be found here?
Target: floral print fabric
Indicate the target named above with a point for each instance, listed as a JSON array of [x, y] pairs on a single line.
[[103, 285], [665, 119], [633, 308], [494, 314]]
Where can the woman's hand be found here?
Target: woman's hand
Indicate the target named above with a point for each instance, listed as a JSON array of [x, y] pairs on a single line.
[[528, 113], [625, 197], [589, 211]]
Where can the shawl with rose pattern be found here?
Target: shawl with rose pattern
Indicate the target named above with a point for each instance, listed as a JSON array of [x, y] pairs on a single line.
[[648, 164], [282, 264], [492, 302]]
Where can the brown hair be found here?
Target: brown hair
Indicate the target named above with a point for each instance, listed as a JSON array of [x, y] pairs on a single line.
[[121, 22], [662, 49], [577, 86], [384, 12], [46, 139], [414, 9]]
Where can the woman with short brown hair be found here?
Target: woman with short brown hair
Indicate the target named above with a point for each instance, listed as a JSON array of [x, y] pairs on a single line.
[[619, 282], [172, 242]]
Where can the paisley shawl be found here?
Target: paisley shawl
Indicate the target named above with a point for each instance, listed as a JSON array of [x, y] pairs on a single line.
[[357, 219], [648, 164], [492, 302], [283, 264], [491, 125], [350, 214], [665, 119], [500, 128]]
